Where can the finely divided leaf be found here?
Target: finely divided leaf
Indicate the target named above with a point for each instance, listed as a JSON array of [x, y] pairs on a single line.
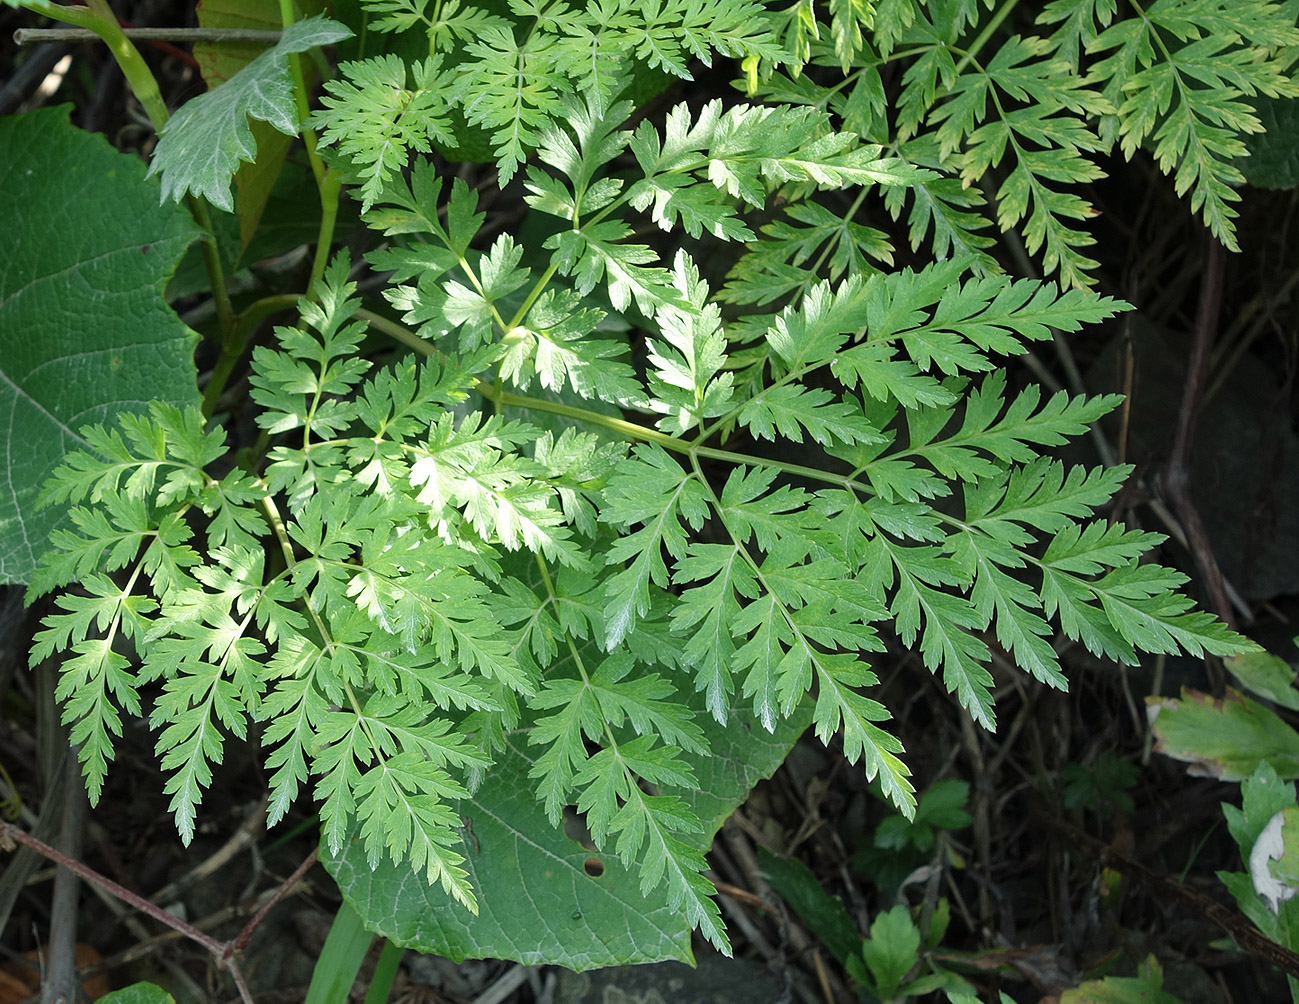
[[648, 488], [376, 117]]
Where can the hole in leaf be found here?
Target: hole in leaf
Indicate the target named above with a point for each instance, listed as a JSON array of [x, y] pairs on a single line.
[[593, 867], [575, 828]]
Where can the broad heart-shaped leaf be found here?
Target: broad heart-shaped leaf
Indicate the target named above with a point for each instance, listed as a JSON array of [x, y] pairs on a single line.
[[1273, 160], [201, 146], [536, 901], [84, 331]]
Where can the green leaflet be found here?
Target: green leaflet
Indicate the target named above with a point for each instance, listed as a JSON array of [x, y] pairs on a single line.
[[1181, 79], [140, 993], [1192, 102], [229, 638], [398, 118], [513, 66]]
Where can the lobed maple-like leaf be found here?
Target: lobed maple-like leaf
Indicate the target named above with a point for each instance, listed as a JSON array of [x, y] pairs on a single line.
[[201, 146]]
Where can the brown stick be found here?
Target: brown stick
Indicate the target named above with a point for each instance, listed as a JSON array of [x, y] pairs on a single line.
[[1176, 480], [285, 888], [249, 831], [245, 36], [10, 832], [1245, 934], [224, 952]]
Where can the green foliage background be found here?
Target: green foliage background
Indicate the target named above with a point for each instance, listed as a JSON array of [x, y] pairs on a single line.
[[592, 509]]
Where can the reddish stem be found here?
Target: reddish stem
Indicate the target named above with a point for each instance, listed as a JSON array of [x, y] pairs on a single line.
[[223, 952], [238, 944], [166, 47], [10, 832]]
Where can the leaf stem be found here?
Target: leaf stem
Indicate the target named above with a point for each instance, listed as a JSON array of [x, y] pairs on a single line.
[[397, 332], [568, 637], [103, 22], [216, 274], [282, 536], [631, 430], [232, 347], [328, 182], [533, 296], [982, 38], [481, 290]]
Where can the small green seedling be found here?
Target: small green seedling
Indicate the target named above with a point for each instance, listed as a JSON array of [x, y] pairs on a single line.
[[899, 845], [1101, 788]]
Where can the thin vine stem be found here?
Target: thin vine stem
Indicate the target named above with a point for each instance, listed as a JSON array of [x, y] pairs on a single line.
[[397, 332], [215, 270], [232, 348], [639, 432], [103, 22], [533, 295], [990, 29], [328, 182]]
